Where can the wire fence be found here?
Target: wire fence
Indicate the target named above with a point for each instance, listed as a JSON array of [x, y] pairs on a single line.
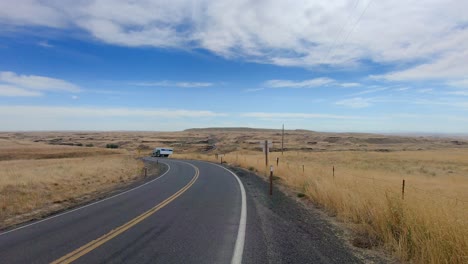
[[394, 187]]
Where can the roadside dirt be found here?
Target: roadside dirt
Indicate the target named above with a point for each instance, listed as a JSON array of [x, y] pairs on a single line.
[[296, 231]]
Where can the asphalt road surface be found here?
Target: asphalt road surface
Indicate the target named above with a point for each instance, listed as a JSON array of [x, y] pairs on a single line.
[[196, 212]]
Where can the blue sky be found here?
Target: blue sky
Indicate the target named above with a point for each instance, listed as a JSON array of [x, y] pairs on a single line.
[[357, 66]]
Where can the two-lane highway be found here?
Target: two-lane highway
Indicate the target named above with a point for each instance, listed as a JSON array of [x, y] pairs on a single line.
[[194, 213]]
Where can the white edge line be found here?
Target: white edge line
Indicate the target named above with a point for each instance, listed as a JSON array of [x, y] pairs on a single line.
[[240, 241], [79, 208]]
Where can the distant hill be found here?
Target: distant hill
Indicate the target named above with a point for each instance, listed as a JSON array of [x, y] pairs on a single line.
[[230, 129]]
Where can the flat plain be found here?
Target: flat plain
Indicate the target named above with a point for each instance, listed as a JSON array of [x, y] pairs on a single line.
[[356, 178]]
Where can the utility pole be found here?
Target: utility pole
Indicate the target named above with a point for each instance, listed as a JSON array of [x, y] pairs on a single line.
[[282, 142], [266, 153]]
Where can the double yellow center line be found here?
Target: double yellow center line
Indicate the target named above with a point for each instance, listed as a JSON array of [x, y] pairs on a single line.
[[74, 255]]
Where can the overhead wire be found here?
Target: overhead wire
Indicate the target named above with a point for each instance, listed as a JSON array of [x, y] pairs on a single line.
[[341, 30], [353, 26]]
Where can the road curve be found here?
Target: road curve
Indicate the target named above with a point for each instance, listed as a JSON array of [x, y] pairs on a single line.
[[194, 213]]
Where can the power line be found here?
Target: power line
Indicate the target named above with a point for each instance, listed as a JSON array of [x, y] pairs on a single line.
[[341, 30], [354, 25]]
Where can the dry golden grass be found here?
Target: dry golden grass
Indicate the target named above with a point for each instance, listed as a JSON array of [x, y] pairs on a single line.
[[429, 226], [31, 186], [50, 152]]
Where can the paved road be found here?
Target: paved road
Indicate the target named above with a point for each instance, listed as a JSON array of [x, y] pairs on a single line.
[[193, 213], [197, 212]]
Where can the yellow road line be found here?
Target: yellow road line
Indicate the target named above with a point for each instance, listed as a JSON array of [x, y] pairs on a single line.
[[74, 255]]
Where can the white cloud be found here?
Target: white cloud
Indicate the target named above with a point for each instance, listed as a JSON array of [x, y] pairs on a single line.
[[311, 83], [253, 90], [298, 84], [24, 117], [451, 65], [463, 93], [401, 89], [106, 92], [459, 83], [39, 83], [193, 84], [356, 102], [31, 12], [425, 91], [350, 84], [174, 84], [11, 91], [52, 111], [265, 115], [45, 44], [371, 90], [432, 33]]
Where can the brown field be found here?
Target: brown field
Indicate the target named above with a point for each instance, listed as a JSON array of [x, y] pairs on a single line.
[[38, 179], [430, 225]]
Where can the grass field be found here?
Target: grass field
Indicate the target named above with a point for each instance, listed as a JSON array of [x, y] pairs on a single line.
[[37, 179], [53, 169], [429, 226]]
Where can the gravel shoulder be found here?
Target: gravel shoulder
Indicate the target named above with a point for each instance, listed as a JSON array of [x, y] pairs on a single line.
[[284, 229]]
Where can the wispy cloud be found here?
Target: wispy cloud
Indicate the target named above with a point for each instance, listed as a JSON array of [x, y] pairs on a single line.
[[105, 92], [174, 84], [266, 115], [357, 102], [193, 84], [463, 93], [352, 84], [459, 83], [371, 90], [253, 90], [11, 91], [28, 117], [317, 82], [64, 111], [426, 91], [38, 83], [299, 33], [45, 44], [446, 66], [401, 89]]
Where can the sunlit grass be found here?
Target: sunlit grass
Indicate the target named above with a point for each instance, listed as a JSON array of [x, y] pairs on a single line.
[[429, 226], [32, 187]]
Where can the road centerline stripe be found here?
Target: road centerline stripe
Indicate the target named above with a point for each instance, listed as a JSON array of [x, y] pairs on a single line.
[[83, 250]]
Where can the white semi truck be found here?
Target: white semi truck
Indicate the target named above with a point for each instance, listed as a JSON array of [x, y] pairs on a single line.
[[162, 152]]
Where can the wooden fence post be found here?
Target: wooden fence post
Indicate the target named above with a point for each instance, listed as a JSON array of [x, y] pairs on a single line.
[[271, 180], [403, 190]]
